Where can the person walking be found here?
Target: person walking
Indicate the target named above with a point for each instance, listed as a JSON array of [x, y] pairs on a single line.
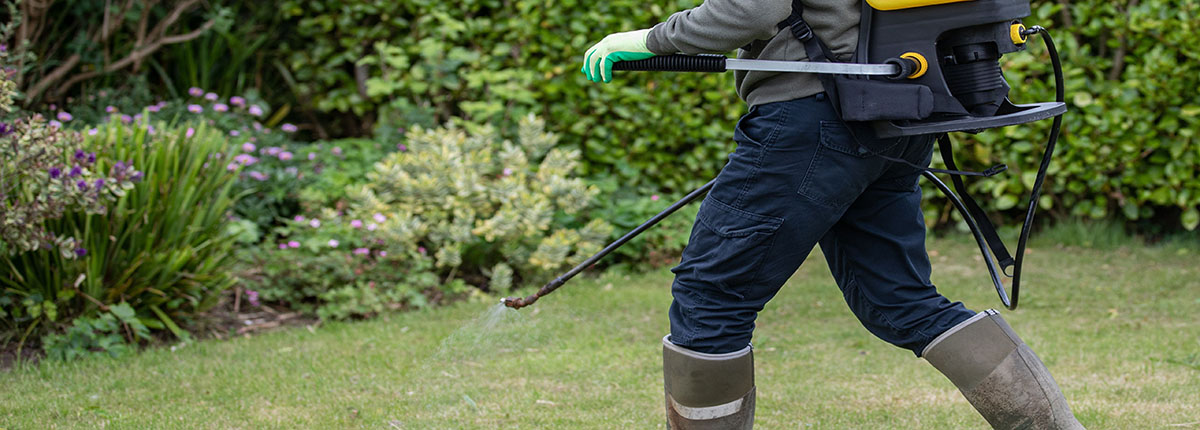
[[800, 178]]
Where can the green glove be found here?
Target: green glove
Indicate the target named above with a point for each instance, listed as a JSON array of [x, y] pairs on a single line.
[[627, 46]]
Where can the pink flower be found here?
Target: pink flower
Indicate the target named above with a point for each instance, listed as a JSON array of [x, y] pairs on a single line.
[[283, 246], [333, 243], [285, 156], [508, 171], [126, 119], [221, 107], [190, 132], [299, 218], [379, 218], [372, 227], [402, 147], [256, 111], [248, 147], [195, 92], [154, 108], [55, 124], [293, 244], [231, 167], [312, 156], [654, 198], [258, 176], [237, 101], [421, 249], [93, 132], [289, 128], [234, 133], [274, 150], [383, 253], [195, 108], [362, 251], [252, 297], [356, 224], [212, 97], [337, 150], [315, 223], [65, 116], [245, 159], [111, 109]]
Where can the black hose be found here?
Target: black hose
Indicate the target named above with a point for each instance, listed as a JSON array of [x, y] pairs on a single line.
[[993, 269], [1060, 97], [675, 63]]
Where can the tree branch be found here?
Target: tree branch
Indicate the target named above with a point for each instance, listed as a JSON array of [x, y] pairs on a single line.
[[138, 55], [53, 77]]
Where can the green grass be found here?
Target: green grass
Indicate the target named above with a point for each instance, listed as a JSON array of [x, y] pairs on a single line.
[[1117, 327]]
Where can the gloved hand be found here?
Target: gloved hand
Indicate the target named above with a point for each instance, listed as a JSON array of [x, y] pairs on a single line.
[[627, 46]]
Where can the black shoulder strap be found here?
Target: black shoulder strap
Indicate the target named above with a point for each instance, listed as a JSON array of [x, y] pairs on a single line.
[[985, 225]]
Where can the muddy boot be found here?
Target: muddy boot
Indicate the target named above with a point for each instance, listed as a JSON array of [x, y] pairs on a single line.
[[708, 391], [1000, 375]]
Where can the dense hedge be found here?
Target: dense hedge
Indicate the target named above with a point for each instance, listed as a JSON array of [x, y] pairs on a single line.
[[1129, 146]]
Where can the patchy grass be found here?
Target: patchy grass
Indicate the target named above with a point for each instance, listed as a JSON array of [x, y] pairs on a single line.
[[1117, 327]]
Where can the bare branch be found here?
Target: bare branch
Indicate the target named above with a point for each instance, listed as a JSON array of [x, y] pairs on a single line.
[[53, 77], [138, 55]]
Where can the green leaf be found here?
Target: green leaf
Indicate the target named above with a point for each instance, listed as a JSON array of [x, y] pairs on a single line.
[[1190, 218]]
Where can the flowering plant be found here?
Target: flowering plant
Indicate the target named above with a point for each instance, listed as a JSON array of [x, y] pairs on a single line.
[[44, 173]]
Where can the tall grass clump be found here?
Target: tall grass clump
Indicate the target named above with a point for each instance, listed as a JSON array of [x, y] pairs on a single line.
[[161, 248]]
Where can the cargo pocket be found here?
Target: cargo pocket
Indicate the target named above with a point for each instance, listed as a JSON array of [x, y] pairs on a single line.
[[841, 168], [729, 245]]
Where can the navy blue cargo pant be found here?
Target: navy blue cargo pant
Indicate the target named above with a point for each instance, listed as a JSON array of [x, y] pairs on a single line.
[[797, 179]]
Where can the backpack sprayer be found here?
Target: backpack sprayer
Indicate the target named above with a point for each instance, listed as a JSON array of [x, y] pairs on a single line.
[[921, 67]]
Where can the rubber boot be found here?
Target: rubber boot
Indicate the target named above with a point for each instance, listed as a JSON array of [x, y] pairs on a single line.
[[1000, 375], [708, 391]]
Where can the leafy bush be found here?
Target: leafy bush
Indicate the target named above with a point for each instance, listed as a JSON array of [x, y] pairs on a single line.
[[111, 334], [1129, 146], [451, 208], [161, 247]]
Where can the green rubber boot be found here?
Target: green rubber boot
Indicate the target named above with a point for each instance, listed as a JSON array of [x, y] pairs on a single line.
[[708, 391], [1001, 377]]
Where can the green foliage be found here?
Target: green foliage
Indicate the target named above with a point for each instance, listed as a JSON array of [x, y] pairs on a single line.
[[341, 165], [426, 62], [659, 246], [161, 247], [112, 334]]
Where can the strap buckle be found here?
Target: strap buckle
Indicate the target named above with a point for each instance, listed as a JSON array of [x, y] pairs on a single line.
[[801, 30]]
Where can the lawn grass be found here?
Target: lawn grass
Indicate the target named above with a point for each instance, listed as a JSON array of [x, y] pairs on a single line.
[[1118, 327]]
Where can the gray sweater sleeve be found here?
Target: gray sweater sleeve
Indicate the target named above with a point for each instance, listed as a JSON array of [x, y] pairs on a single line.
[[718, 26]]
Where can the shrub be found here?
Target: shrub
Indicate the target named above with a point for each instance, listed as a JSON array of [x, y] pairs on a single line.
[[111, 334], [451, 208], [161, 247]]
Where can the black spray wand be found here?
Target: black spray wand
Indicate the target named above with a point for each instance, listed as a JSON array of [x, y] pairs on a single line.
[[518, 302]]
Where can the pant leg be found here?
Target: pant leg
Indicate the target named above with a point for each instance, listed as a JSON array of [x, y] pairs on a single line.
[[793, 174], [876, 252]]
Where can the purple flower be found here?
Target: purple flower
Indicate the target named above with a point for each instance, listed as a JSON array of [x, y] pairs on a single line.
[[379, 218], [258, 126], [289, 128], [195, 108], [383, 253], [508, 171], [110, 109], [83, 186], [252, 297], [80, 155], [333, 243], [372, 227], [80, 252], [91, 158], [245, 159], [293, 244], [402, 147], [126, 119], [231, 167], [283, 246], [654, 198], [150, 129], [285, 156], [190, 132], [4, 129], [212, 97], [248, 147], [137, 176], [274, 150], [421, 249], [256, 111], [221, 107], [55, 172], [312, 156], [315, 223], [99, 184], [75, 171], [93, 131], [356, 224], [153, 108], [362, 251], [299, 218], [234, 133], [337, 150], [195, 92], [55, 124], [258, 176], [65, 116], [237, 101]]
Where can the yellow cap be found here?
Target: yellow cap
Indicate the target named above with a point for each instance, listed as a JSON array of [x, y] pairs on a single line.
[[922, 65], [1017, 31]]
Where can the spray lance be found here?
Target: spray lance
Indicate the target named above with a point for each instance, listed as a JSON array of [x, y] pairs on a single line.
[[921, 67]]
